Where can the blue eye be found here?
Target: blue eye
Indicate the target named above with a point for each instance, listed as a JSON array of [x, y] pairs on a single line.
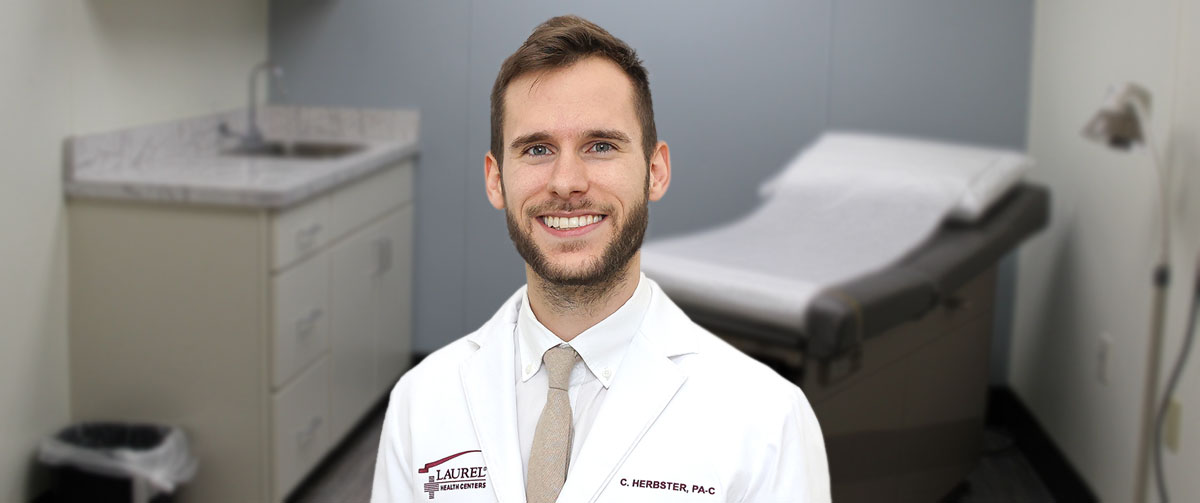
[[602, 147], [538, 150]]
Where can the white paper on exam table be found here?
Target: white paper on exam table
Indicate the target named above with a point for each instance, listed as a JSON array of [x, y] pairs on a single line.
[[847, 206]]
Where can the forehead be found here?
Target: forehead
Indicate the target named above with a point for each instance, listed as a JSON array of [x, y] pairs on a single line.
[[593, 93]]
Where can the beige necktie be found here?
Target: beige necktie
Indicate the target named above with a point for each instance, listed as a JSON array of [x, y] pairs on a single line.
[[552, 438]]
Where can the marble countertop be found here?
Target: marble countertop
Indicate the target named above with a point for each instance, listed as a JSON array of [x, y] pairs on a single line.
[[183, 161]]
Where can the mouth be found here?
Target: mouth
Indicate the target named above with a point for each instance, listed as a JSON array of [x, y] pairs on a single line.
[[569, 226]]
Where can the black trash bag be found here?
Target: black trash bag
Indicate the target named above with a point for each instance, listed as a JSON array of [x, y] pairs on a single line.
[[105, 461]]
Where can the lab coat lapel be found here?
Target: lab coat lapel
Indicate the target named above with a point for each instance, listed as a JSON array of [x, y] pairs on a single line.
[[488, 379], [644, 385]]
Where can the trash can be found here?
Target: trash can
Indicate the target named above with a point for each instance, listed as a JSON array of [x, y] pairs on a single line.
[[118, 462]]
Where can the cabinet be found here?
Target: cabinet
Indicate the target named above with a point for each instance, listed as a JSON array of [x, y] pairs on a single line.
[[366, 287], [265, 334]]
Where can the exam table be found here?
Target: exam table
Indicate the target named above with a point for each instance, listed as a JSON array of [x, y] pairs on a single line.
[[895, 362]]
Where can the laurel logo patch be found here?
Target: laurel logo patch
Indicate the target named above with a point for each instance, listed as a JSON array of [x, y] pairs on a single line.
[[454, 473]]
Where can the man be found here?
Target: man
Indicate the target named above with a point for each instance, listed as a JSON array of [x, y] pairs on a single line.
[[589, 384]]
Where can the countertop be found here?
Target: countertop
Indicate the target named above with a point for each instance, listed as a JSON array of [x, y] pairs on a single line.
[[182, 161]]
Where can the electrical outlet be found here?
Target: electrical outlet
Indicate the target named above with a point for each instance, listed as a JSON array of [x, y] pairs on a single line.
[[1173, 422], [1104, 348]]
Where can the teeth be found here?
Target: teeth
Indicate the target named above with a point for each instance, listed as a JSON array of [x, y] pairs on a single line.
[[572, 222]]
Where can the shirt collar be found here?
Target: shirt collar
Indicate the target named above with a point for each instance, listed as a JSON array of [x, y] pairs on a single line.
[[601, 347]]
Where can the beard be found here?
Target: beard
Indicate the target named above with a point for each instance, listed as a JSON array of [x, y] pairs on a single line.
[[582, 285]]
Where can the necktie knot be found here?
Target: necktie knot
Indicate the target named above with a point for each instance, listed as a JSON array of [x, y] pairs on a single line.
[[559, 360]]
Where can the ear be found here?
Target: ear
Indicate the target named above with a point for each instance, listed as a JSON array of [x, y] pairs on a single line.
[[492, 182], [660, 171]]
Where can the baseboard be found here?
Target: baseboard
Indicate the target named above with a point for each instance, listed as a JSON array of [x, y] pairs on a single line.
[[1064, 483]]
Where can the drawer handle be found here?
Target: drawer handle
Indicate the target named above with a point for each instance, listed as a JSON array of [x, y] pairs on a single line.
[[383, 248], [307, 237], [305, 436], [305, 325]]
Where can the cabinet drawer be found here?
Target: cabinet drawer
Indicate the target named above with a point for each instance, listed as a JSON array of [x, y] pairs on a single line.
[[301, 421], [299, 231], [354, 205], [300, 331]]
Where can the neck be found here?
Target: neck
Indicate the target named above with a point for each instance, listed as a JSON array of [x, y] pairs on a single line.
[[568, 310]]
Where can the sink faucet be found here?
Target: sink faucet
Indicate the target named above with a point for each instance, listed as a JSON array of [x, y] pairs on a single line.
[[253, 136]]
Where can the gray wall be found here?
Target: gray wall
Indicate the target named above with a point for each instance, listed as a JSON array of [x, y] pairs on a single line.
[[738, 87]]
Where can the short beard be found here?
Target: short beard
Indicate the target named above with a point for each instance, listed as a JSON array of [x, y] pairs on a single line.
[[567, 291]]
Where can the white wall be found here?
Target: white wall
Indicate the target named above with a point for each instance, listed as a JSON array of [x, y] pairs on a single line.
[[1185, 159], [33, 341], [74, 67], [1089, 273], [140, 61]]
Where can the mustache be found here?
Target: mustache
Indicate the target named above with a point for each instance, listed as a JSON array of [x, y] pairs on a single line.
[[566, 206]]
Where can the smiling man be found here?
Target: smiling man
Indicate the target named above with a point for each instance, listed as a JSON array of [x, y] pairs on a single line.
[[589, 384]]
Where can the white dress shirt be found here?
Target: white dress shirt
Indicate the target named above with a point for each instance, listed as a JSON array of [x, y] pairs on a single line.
[[601, 349]]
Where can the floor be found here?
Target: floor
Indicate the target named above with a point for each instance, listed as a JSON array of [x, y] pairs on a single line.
[[1003, 475]]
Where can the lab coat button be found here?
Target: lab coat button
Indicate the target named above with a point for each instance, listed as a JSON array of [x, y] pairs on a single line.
[[607, 373]]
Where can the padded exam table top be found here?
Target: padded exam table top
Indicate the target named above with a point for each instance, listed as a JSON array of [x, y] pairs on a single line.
[[907, 290]]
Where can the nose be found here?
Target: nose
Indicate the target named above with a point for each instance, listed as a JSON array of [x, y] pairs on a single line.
[[569, 177]]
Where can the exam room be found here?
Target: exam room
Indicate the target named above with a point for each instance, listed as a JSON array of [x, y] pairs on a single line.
[[1079, 347]]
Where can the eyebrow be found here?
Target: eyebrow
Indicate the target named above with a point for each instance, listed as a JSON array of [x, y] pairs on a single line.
[[529, 138], [602, 134], [608, 134]]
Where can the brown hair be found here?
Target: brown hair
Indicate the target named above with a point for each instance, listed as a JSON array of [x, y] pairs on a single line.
[[558, 43]]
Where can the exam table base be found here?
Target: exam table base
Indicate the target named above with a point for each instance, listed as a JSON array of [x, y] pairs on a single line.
[[903, 416]]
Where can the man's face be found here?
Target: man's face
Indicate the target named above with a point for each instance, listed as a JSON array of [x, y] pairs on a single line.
[[575, 182]]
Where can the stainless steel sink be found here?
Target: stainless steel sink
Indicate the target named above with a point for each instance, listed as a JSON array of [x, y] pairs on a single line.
[[297, 150]]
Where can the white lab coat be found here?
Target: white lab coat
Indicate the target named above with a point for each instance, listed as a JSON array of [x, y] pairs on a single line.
[[686, 418]]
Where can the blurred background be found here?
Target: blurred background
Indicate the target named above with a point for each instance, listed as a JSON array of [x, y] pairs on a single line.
[[739, 88]]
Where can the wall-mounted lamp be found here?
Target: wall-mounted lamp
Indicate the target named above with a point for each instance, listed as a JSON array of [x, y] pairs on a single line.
[[1124, 121]]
